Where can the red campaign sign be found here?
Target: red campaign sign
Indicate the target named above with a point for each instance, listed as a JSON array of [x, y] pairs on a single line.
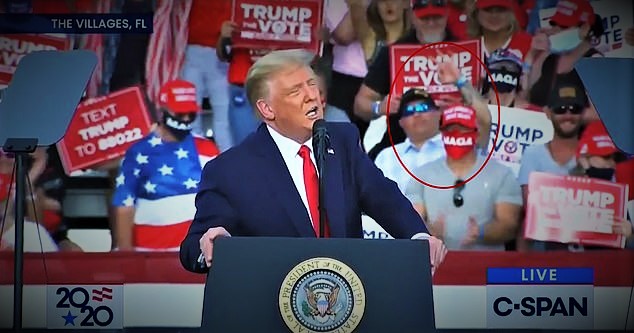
[[103, 128], [421, 69], [278, 24], [14, 47], [567, 209]]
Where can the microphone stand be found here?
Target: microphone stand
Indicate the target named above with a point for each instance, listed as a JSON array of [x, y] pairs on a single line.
[[320, 157]]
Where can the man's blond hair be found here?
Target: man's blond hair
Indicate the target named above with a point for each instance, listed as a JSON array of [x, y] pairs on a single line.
[[264, 68]]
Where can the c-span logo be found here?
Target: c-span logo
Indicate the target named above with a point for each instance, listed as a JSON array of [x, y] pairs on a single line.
[[322, 295]]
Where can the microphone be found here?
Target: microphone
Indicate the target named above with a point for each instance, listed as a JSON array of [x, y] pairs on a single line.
[[321, 142]]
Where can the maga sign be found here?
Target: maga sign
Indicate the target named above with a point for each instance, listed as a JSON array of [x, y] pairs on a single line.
[[14, 47], [277, 24], [420, 66], [520, 129], [568, 209], [103, 128]]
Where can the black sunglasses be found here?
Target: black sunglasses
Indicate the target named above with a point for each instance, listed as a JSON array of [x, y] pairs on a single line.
[[424, 3], [573, 109], [458, 200]]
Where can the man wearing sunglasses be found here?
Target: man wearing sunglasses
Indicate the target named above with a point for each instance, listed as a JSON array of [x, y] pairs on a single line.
[[418, 116], [482, 214], [573, 32], [568, 101], [159, 175]]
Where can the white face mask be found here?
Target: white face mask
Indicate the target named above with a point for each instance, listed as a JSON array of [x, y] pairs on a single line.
[[564, 40]]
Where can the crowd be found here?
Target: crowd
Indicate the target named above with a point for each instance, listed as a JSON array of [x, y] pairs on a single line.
[[441, 142]]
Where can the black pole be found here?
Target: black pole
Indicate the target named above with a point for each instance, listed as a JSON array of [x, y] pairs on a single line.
[[321, 142], [322, 193], [20, 193], [21, 147]]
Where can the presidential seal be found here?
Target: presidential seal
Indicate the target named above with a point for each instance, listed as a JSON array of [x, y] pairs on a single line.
[[322, 295]]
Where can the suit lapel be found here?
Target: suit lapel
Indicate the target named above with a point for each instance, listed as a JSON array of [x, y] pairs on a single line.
[[276, 174]]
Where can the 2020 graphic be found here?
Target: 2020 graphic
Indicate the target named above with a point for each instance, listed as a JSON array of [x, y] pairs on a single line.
[[85, 307]]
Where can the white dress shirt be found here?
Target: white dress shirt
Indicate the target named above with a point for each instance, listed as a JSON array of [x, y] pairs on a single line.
[[411, 156], [295, 165]]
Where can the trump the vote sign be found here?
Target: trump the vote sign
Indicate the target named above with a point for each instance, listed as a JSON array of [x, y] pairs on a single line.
[[277, 24], [103, 128], [578, 210], [420, 66], [518, 130], [14, 47], [616, 17]]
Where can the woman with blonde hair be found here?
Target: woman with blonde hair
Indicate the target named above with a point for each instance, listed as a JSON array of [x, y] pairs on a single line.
[[382, 23], [496, 24]]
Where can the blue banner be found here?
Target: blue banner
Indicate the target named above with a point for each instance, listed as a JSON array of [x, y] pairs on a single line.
[[76, 23], [541, 276]]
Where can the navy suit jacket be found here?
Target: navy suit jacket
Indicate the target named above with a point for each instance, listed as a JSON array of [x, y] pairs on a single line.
[[249, 191]]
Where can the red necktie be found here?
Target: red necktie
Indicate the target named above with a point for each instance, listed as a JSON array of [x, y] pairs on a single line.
[[312, 189]]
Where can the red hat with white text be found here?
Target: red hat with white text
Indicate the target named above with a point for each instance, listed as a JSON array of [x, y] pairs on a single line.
[[426, 8], [572, 13], [179, 96], [459, 115], [595, 141]]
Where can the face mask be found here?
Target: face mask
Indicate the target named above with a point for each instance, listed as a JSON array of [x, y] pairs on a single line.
[[600, 173], [564, 40], [505, 81], [458, 144], [180, 129]]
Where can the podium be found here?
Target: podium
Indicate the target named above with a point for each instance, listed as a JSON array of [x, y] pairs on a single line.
[[266, 284]]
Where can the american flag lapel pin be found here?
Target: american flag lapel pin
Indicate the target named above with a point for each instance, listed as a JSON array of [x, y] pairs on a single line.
[[331, 151]]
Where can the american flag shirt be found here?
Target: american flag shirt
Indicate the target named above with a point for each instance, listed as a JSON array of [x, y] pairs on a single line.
[[160, 179]]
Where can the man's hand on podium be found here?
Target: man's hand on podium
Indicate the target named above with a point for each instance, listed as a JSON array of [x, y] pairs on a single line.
[[437, 249], [207, 242], [437, 252]]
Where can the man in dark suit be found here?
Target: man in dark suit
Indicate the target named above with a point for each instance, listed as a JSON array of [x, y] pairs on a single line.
[[268, 185]]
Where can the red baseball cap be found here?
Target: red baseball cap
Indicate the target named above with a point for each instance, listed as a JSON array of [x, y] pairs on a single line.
[[425, 8], [179, 96], [595, 141], [459, 115], [571, 13], [481, 4]]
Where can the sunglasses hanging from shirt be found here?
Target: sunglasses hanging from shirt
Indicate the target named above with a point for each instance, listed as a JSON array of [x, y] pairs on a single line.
[[458, 199]]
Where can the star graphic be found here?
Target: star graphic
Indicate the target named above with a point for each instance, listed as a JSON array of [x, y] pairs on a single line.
[[181, 153], [69, 319], [165, 170], [155, 141], [149, 187], [190, 183], [137, 172], [141, 159], [129, 201], [120, 180]]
